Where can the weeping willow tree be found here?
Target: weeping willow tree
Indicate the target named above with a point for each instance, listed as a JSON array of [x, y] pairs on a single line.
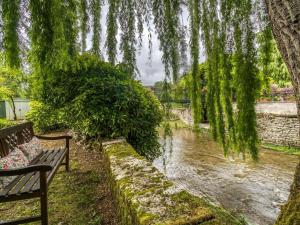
[[227, 29]]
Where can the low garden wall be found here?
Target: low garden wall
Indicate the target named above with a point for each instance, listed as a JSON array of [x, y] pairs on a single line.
[[144, 196], [279, 129], [272, 128]]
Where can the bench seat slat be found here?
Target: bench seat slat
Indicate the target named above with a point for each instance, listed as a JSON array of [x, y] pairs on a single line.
[[44, 160], [29, 183], [22, 220], [15, 181], [22, 180], [55, 163]]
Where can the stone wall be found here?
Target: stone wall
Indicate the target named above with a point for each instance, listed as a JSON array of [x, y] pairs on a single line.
[[185, 115], [144, 196], [278, 129]]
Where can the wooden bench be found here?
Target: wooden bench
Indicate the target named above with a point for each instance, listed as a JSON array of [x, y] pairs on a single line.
[[31, 181]]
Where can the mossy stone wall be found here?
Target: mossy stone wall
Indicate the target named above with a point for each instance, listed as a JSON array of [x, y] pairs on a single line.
[[144, 196], [277, 129]]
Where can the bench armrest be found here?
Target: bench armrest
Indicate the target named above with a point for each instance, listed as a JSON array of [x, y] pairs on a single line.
[[54, 138], [24, 170]]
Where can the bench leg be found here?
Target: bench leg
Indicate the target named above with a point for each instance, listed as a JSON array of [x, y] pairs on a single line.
[[67, 155], [44, 198]]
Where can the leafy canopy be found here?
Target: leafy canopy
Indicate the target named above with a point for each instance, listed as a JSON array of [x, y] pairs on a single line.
[[11, 83]]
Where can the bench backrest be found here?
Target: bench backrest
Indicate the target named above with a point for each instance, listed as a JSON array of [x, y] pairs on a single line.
[[13, 136]]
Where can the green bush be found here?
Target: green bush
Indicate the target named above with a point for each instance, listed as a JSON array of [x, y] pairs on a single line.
[[44, 117], [99, 99], [6, 123]]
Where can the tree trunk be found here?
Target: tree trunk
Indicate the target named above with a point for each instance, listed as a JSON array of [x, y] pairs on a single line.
[[13, 106], [284, 16]]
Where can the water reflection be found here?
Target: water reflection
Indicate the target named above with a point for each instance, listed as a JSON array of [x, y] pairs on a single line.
[[255, 190]]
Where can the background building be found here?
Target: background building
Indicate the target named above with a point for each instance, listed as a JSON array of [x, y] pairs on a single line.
[[22, 107]]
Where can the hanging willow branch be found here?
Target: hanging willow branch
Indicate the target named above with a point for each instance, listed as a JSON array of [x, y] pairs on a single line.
[[228, 36], [70, 26], [225, 72], [194, 7], [53, 40], [246, 78], [207, 33], [96, 12], [84, 27], [112, 29], [10, 18], [127, 20], [166, 20]]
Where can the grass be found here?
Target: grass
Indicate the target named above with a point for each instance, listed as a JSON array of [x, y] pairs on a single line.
[[285, 149], [175, 105], [71, 200], [78, 197], [6, 123], [175, 124]]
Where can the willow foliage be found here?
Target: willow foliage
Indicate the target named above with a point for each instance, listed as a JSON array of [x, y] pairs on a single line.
[[53, 39], [210, 86], [226, 73], [84, 23], [112, 30], [229, 39], [70, 26], [96, 12], [194, 8], [10, 18], [127, 21], [167, 23]]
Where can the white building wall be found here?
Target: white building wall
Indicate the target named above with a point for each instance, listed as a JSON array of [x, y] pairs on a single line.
[[22, 107]]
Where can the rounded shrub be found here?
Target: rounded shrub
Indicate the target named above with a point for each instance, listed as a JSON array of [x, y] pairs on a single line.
[[100, 100], [44, 117]]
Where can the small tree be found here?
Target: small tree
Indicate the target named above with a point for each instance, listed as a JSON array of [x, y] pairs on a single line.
[[11, 86]]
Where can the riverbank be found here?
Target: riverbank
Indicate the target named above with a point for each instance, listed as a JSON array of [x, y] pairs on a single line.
[[277, 126], [283, 149], [178, 124], [144, 196], [253, 190]]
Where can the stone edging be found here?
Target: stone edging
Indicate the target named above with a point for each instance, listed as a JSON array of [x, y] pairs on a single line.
[[144, 196]]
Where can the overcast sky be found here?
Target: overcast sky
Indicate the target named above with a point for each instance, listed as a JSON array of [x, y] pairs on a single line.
[[150, 71]]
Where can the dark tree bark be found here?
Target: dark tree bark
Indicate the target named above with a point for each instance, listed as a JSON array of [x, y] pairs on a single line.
[[13, 106], [285, 20], [284, 16]]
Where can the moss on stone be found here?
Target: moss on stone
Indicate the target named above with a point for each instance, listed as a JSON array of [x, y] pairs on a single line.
[[144, 196], [290, 212]]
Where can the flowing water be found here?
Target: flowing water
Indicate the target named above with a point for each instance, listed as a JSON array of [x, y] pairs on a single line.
[[254, 190]]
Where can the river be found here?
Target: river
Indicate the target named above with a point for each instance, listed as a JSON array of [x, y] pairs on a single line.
[[253, 190]]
